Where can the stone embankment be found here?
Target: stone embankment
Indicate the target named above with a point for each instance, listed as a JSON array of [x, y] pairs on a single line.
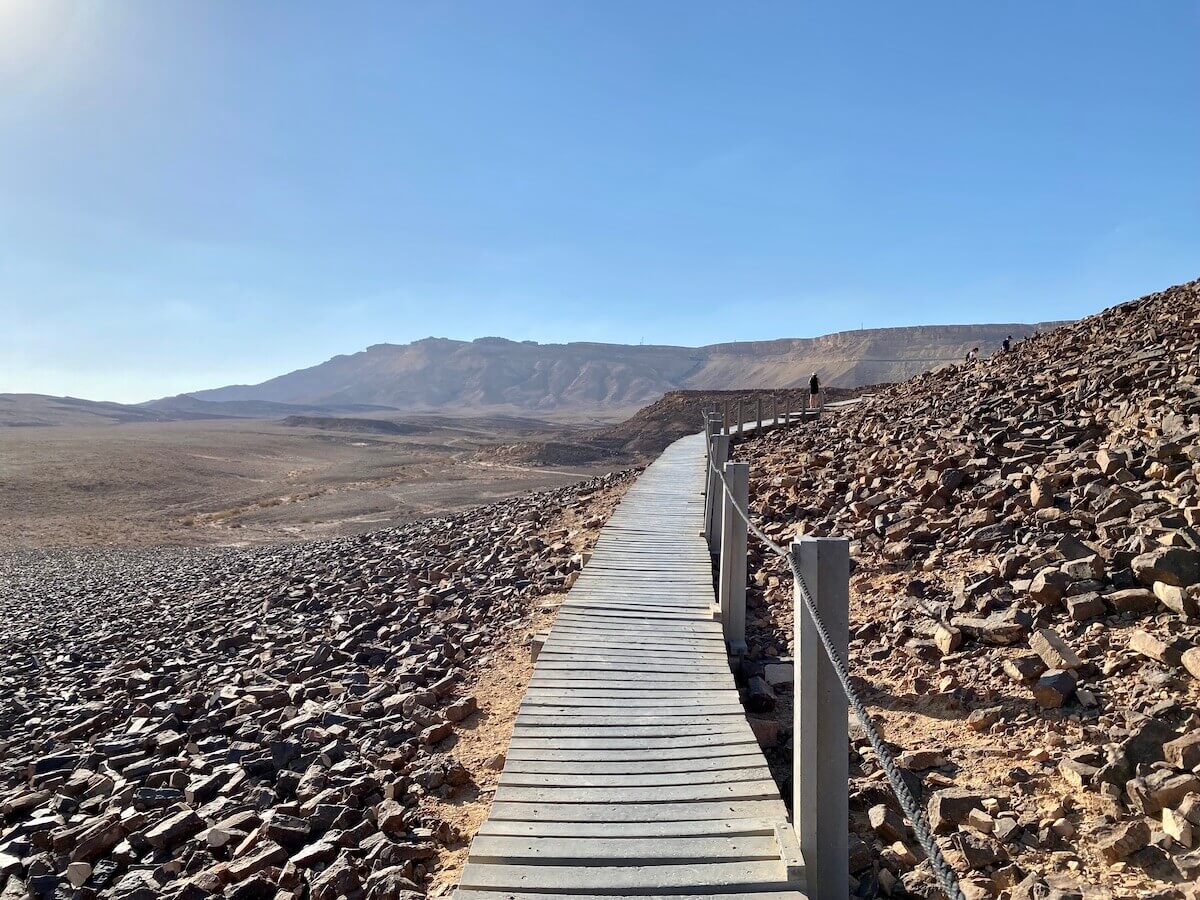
[[267, 723], [1024, 604]]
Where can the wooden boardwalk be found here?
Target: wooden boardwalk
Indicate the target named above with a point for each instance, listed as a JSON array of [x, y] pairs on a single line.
[[632, 771]]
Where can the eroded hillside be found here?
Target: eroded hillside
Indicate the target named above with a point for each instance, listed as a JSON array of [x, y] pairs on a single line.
[[1024, 605]]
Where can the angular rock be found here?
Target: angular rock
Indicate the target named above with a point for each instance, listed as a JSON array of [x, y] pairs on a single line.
[[949, 808], [1054, 688], [1124, 840], [1053, 650], [1168, 653], [1177, 566]]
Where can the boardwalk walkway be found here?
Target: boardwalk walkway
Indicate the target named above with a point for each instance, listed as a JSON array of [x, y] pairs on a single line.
[[632, 771]]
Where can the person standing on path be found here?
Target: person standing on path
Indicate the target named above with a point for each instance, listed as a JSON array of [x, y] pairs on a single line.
[[1007, 343], [814, 386]]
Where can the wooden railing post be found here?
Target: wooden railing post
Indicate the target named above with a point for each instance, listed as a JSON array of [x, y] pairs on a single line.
[[787, 411], [712, 493], [707, 441], [820, 776], [740, 420], [758, 430], [715, 500], [732, 591]]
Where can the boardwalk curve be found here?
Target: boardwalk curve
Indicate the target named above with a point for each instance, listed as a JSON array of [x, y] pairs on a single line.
[[632, 770]]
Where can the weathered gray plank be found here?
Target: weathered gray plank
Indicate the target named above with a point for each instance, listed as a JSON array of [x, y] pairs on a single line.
[[616, 682], [686, 766], [612, 851], [729, 828], [639, 812], [538, 750], [751, 875], [784, 893], [621, 735], [515, 778], [682, 793]]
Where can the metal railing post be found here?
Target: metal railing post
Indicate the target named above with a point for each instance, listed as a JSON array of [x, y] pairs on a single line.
[[820, 775], [732, 592], [714, 503]]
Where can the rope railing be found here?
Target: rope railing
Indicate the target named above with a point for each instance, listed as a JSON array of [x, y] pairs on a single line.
[[946, 876]]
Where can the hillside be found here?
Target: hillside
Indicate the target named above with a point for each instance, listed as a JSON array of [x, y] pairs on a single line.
[[647, 432], [494, 373], [1025, 612], [33, 410]]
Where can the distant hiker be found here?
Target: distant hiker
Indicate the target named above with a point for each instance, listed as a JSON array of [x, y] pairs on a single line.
[[972, 355], [1007, 343], [814, 385]]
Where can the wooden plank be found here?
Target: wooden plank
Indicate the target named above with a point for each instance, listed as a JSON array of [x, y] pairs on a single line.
[[608, 718], [600, 654], [679, 793], [547, 728], [647, 700], [599, 752], [642, 765], [647, 668], [564, 643], [752, 875], [603, 710], [753, 772], [569, 680], [622, 851], [693, 828], [785, 893], [639, 812], [616, 697]]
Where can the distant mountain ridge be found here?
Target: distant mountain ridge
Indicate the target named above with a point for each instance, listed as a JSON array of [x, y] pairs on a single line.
[[493, 375], [498, 374]]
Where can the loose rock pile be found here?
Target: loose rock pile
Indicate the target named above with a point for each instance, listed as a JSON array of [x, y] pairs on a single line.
[[258, 723], [1025, 598]]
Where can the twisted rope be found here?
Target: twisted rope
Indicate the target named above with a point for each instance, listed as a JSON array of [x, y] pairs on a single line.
[[946, 876]]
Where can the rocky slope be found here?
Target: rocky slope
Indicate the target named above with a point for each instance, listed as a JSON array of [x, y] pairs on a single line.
[[663, 422], [278, 722], [651, 429], [1024, 604], [498, 374]]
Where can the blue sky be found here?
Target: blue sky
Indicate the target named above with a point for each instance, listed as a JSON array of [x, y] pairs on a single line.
[[199, 193]]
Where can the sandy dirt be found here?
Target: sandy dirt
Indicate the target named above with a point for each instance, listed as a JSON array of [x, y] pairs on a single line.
[[238, 482]]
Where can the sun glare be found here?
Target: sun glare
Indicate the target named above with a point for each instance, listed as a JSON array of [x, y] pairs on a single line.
[[30, 30]]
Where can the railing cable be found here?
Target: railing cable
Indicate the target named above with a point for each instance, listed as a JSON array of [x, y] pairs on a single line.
[[946, 876]]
